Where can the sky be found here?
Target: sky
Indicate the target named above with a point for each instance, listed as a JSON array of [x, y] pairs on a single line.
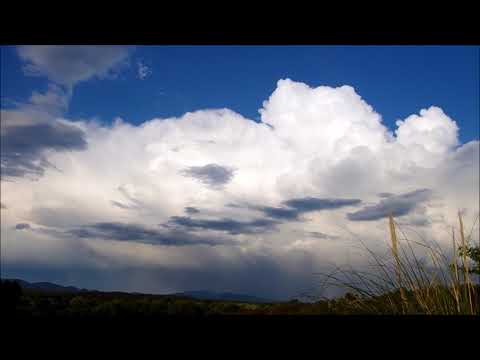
[[228, 168]]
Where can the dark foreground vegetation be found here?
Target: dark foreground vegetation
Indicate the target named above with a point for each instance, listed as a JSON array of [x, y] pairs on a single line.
[[26, 303]]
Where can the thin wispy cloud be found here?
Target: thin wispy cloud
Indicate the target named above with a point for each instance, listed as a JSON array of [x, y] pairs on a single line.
[[143, 71]]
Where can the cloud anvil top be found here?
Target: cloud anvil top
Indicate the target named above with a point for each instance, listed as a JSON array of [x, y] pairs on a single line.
[[211, 196]]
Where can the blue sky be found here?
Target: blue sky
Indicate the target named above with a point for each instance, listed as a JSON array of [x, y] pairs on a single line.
[[396, 80], [211, 200]]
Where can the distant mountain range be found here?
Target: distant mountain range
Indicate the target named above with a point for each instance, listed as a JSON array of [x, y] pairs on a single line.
[[210, 295], [46, 286], [200, 294]]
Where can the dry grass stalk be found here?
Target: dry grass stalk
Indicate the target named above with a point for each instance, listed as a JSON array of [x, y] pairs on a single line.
[[456, 279], [393, 237], [433, 287], [467, 281]]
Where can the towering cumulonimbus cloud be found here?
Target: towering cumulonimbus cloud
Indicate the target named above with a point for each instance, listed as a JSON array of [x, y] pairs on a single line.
[[215, 197]]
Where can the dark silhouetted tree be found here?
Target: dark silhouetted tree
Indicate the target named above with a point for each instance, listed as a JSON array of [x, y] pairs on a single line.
[[11, 294]]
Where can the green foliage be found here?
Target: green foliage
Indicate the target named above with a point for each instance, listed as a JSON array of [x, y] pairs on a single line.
[[472, 252]]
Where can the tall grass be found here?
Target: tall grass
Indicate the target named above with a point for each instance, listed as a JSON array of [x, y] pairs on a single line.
[[406, 283]]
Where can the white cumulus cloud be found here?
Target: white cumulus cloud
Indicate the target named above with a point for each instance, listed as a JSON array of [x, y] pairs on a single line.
[[318, 155]]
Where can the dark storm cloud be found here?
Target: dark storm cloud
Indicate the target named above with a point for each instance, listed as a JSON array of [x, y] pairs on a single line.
[[22, 226], [280, 213], [32, 138], [295, 207], [22, 147], [384, 194], [191, 210], [397, 205], [292, 209], [212, 175], [139, 233], [308, 204], [230, 226]]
